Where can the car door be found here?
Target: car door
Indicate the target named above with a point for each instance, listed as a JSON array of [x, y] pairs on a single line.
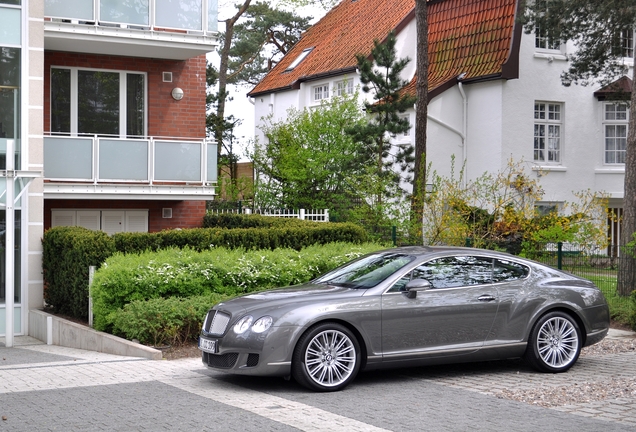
[[453, 317]]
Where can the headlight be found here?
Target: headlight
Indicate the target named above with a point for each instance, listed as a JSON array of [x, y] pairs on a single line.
[[243, 324], [262, 324]]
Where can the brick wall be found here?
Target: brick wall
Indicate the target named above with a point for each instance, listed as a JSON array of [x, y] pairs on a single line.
[[185, 214], [166, 117]]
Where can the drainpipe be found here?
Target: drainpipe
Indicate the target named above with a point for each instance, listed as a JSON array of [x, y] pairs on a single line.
[[460, 78]]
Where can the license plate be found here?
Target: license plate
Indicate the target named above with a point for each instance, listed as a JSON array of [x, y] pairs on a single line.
[[207, 345]]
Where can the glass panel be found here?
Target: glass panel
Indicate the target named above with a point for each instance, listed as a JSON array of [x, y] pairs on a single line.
[[9, 102], [128, 12], [179, 14], [213, 15], [70, 9], [10, 26], [123, 159], [11, 2], [135, 103], [60, 100], [177, 161], [68, 158], [98, 107], [17, 291], [212, 163]]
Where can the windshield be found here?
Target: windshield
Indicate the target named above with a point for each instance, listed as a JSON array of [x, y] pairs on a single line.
[[366, 272]]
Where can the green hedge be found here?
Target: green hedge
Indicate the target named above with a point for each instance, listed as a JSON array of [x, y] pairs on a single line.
[[295, 236], [182, 273], [67, 254], [231, 221], [163, 321]]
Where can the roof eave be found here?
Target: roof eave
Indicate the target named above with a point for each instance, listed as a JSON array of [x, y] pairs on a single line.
[[296, 84]]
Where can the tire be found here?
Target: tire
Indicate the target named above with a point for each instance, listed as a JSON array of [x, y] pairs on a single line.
[[554, 344], [326, 358]]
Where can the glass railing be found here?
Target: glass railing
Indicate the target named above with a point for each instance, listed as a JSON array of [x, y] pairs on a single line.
[[112, 160], [183, 15]]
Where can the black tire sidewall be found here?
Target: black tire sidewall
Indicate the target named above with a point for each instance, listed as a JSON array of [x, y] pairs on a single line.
[[299, 372]]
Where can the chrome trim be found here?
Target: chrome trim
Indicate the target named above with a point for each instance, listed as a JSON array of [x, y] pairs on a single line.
[[594, 333], [285, 363], [432, 351]]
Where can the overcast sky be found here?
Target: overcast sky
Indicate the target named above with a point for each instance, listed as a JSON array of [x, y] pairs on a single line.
[[239, 106]]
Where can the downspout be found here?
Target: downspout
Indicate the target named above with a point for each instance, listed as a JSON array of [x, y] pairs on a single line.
[[460, 78]]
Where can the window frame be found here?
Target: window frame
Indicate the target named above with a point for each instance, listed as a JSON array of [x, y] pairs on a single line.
[[74, 100], [547, 123], [324, 93], [343, 87], [623, 122]]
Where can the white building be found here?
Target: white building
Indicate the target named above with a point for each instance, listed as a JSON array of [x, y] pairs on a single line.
[[494, 92]]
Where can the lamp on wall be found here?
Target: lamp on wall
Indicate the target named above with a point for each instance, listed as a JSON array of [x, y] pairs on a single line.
[[177, 94]]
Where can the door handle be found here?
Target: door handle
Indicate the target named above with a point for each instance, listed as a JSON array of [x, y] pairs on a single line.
[[486, 298]]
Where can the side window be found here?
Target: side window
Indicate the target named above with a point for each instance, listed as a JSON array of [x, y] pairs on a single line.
[[505, 271], [458, 271]]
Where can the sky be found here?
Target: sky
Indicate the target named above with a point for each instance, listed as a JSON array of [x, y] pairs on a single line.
[[240, 107]]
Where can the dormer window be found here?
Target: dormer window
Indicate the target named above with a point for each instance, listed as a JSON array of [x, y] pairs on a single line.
[[300, 58]]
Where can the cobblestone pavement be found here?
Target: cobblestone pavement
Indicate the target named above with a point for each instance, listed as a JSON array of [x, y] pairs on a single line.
[[53, 388]]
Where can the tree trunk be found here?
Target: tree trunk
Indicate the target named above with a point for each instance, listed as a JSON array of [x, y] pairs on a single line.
[[421, 113], [224, 54], [627, 267]]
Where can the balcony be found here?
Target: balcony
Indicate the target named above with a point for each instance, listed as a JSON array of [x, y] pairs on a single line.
[[167, 29], [87, 167]]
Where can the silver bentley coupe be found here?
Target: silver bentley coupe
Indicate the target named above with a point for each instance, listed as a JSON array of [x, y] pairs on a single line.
[[407, 307]]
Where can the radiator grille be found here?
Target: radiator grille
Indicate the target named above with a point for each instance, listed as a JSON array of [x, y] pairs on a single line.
[[252, 360], [216, 323], [223, 361]]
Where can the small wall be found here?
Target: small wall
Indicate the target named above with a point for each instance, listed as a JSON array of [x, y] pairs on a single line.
[[61, 332]]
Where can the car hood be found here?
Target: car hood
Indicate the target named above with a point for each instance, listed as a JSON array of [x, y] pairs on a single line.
[[283, 298]]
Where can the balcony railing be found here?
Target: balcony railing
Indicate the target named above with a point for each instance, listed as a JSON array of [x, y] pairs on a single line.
[[183, 15], [151, 161], [166, 29]]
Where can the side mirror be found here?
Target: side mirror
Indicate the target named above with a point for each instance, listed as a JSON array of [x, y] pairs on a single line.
[[416, 285]]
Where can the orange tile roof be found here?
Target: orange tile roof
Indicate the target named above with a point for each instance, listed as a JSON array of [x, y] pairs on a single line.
[[465, 36]]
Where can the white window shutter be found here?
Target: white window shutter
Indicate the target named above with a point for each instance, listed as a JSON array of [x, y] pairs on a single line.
[[137, 221], [62, 218], [89, 219], [113, 222]]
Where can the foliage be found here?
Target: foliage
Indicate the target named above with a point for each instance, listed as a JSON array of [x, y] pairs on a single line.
[[599, 30], [295, 235], [309, 161], [68, 252], [231, 221], [497, 210], [160, 321], [382, 76], [186, 273]]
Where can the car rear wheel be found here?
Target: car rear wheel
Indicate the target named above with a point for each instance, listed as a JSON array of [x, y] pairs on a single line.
[[555, 343], [326, 358]]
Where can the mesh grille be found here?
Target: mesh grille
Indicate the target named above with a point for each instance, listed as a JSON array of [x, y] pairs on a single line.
[[252, 360], [216, 322], [223, 361]]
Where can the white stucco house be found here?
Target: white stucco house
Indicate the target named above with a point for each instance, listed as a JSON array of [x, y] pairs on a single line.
[[494, 92]]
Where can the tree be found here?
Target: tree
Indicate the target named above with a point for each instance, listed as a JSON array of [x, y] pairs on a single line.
[[421, 117], [382, 76], [309, 161], [594, 26]]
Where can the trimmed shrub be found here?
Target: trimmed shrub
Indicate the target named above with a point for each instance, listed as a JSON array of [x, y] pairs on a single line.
[[163, 321], [184, 273], [231, 221], [68, 253]]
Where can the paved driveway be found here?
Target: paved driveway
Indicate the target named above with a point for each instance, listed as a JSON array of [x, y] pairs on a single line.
[[53, 388]]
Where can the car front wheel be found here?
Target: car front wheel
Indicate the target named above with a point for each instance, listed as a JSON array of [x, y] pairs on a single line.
[[326, 358], [555, 343]]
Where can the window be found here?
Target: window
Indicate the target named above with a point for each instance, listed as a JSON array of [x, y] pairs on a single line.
[[543, 40], [546, 208], [108, 103], [615, 119], [507, 271], [344, 87], [623, 43], [298, 59], [321, 92], [547, 132]]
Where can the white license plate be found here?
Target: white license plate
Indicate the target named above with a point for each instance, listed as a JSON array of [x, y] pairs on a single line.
[[207, 345]]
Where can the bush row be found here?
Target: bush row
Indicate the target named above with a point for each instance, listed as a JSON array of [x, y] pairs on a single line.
[[183, 273], [231, 221], [69, 251]]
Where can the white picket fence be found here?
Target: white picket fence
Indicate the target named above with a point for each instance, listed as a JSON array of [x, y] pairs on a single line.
[[303, 214]]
